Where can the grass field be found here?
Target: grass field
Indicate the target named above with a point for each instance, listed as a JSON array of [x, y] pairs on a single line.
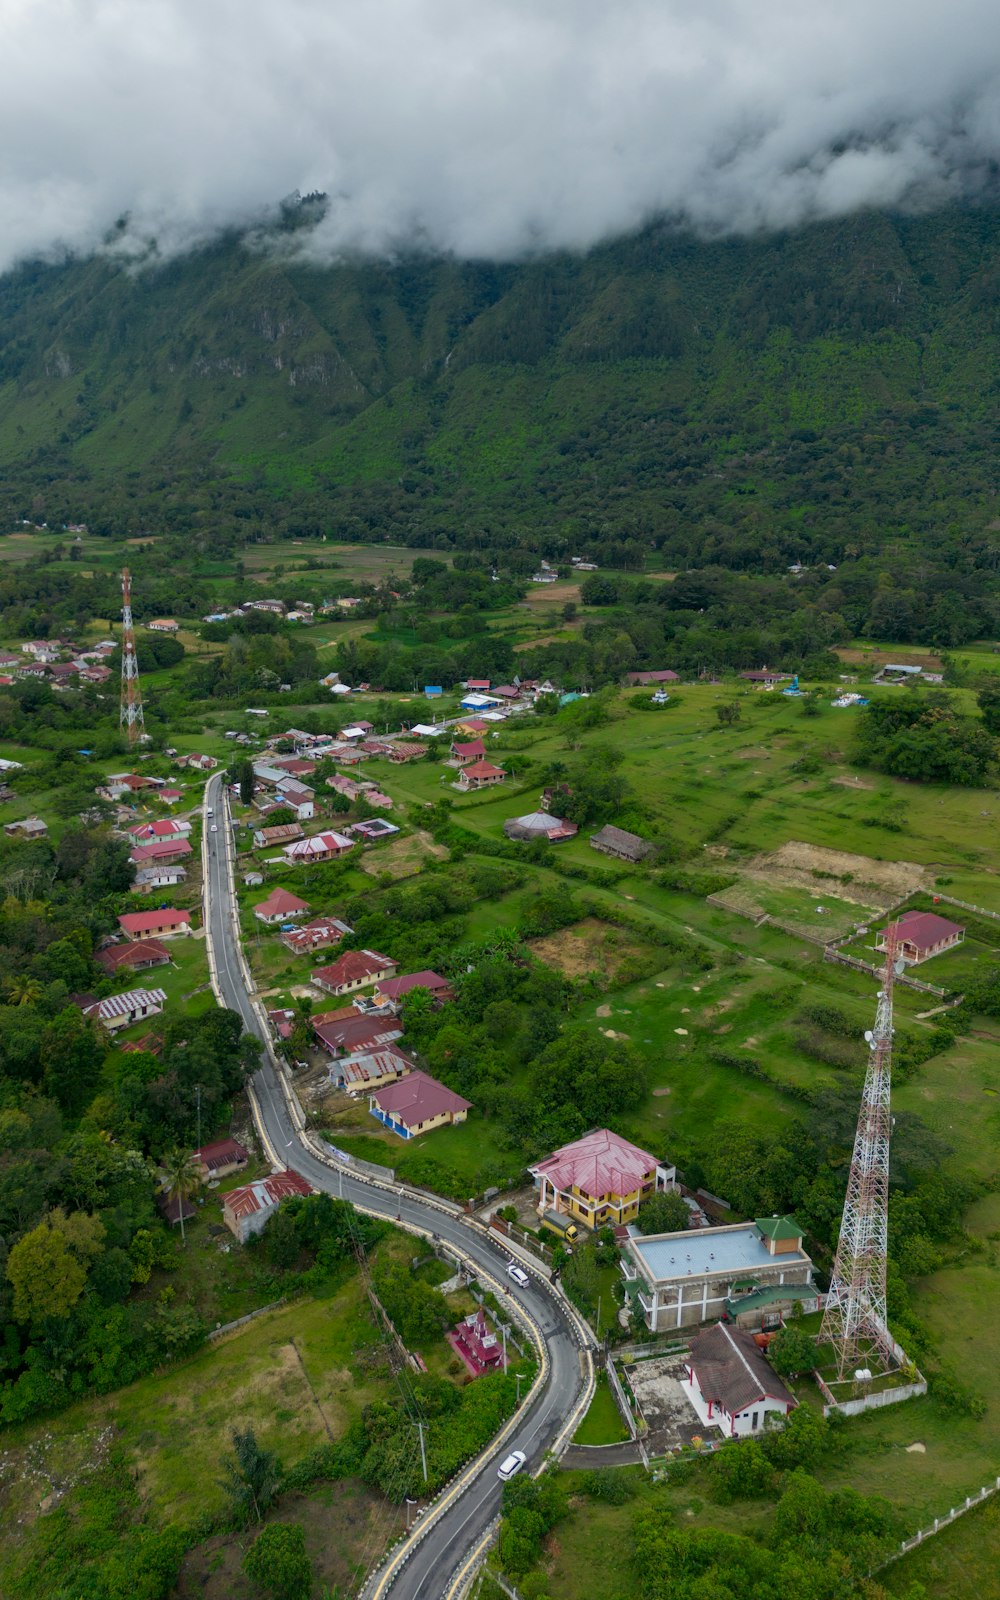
[[603, 1423]]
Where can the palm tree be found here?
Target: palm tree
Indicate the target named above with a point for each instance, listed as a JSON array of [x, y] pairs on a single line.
[[24, 991], [180, 1177]]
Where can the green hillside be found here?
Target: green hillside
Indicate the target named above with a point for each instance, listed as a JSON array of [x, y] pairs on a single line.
[[810, 396]]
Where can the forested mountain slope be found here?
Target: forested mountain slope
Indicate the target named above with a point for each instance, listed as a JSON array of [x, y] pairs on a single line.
[[819, 395]]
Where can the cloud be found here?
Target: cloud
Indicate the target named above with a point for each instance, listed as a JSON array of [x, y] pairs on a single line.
[[485, 130]]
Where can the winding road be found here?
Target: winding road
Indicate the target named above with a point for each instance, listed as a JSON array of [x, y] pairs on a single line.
[[441, 1550]]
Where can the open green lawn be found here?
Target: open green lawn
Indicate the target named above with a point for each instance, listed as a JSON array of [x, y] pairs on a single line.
[[603, 1423]]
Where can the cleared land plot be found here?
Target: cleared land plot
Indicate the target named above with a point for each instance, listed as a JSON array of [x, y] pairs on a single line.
[[401, 858], [860, 879], [590, 946]]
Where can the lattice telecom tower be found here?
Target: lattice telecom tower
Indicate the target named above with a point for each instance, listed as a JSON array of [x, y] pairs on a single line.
[[855, 1306], [130, 715]]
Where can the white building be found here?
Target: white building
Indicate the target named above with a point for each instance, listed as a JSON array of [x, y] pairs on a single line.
[[675, 1280], [731, 1384]]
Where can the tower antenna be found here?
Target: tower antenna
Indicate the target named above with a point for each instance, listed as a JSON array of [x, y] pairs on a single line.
[[855, 1313], [130, 714]]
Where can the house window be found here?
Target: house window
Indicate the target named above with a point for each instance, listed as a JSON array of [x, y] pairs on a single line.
[[753, 1422]]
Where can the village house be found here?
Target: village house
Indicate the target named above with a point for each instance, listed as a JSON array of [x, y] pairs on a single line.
[[349, 1032], [221, 1159], [197, 762], [161, 851], [281, 833], [161, 875], [674, 1280], [282, 1023], [161, 828], [121, 1010], [356, 969], [123, 785], [476, 1344], [642, 678], [321, 847], [393, 991], [921, 935], [480, 775], [471, 727], [26, 828], [294, 766], [617, 842], [374, 828], [134, 953], [280, 906], [401, 752], [731, 1384], [417, 1104], [161, 924], [315, 935], [95, 675], [297, 798], [599, 1180], [247, 1210], [464, 752], [169, 797], [163, 625], [369, 1069]]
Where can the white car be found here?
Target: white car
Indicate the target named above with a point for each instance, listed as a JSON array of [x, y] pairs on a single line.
[[518, 1274], [513, 1464], [215, 827]]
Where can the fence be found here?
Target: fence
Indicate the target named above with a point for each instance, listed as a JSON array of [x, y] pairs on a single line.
[[621, 1400], [368, 1169], [239, 1322], [830, 953], [966, 905], [872, 1402], [971, 1501]]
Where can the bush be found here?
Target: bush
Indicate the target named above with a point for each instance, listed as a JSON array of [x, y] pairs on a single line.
[[277, 1561]]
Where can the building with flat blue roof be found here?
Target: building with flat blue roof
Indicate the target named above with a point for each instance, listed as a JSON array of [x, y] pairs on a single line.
[[675, 1280]]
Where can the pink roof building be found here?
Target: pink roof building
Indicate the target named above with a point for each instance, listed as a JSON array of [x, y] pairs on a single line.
[[476, 1343], [354, 970], [599, 1180], [160, 850], [416, 1104], [390, 991], [921, 935], [161, 923]]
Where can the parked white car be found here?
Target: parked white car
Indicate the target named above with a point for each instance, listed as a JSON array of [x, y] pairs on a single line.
[[511, 1466]]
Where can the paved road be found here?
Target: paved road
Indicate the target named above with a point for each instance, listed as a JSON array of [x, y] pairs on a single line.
[[428, 1573]]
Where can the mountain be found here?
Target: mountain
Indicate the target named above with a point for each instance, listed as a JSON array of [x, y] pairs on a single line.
[[805, 396]]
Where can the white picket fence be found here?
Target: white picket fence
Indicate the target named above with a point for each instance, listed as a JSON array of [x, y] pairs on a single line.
[[971, 1501]]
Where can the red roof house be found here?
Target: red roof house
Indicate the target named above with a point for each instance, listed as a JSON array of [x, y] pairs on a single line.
[[280, 906], [653, 677], [247, 1210], [391, 991], [349, 1032], [480, 775], [921, 935], [136, 954], [221, 1158], [162, 923], [468, 750], [315, 935], [416, 1104], [354, 970], [160, 850]]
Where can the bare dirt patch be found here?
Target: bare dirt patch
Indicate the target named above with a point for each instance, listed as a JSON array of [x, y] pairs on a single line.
[[753, 752], [552, 594], [403, 857], [878, 658], [588, 946], [853, 783], [869, 883]]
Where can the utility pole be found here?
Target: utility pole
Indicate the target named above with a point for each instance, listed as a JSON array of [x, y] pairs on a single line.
[[503, 1333], [130, 706], [409, 1503], [519, 1379], [197, 1094], [420, 1426], [855, 1310]]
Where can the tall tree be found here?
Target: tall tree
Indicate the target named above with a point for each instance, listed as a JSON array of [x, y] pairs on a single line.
[[180, 1178]]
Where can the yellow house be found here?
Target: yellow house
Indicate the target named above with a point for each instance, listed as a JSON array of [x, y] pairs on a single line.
[[417, 1104], [599, 1180]]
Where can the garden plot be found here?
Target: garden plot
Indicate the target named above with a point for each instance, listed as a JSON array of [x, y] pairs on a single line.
[[806, 913]]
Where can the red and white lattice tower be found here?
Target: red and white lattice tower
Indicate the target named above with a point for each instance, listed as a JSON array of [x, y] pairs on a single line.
[[130, 715], [854, 1320]]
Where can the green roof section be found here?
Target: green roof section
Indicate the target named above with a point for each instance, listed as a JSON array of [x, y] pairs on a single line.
[[768, 1296], [778, 1227]]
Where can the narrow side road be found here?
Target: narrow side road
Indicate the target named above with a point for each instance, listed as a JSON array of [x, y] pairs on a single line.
[[441, 1546]]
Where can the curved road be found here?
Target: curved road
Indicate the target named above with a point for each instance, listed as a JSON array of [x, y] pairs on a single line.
[[442, 1551]]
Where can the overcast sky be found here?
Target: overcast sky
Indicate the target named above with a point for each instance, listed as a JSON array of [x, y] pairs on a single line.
[[487, 130]]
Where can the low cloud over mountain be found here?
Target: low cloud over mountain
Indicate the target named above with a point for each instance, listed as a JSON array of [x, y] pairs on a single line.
[[497, 130]]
